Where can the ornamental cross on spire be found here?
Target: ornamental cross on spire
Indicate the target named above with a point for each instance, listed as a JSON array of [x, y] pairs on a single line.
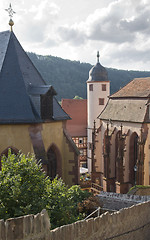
[[10, 11]]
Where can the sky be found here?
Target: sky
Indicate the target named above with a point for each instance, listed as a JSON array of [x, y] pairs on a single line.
[[77, 29]]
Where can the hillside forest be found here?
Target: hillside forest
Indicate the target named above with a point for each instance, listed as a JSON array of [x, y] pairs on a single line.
[[69, 77]]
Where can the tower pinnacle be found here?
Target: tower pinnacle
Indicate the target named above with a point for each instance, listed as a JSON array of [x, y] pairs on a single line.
[[98, 56], [11, 13]]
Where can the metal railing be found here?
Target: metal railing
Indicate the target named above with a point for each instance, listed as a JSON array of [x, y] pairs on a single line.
[[98, 213], [96, 188]]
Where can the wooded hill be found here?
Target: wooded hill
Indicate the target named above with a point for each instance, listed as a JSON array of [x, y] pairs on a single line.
[[69, 77]]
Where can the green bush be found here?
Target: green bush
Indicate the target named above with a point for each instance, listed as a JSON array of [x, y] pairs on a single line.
[[24, 189], [23, 186], [63, 203]]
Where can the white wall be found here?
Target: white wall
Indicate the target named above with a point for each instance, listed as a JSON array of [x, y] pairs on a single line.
[[94, 109]]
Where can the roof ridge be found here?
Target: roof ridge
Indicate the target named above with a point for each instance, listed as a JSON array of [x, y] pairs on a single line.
[[3, 51]]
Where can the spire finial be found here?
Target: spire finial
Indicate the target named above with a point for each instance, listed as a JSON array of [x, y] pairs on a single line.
[[98, 56], [11, 13]]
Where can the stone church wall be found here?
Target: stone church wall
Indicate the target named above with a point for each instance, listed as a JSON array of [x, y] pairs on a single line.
[[129, 223]]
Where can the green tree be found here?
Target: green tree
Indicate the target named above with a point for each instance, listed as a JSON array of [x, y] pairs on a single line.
[[63, 203], [77, 97], [23, 186], [24, 189]]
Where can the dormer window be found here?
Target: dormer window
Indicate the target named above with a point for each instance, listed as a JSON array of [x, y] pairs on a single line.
[[47, 104]]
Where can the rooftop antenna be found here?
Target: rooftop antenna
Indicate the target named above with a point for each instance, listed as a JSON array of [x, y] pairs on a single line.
[[11, 13]]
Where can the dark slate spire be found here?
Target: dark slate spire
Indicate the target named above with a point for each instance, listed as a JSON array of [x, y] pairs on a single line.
[[15, 104], [21, 85], [98, 72]]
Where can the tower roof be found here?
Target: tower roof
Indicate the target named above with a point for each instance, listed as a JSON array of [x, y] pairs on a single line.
[[98, 73], [17, 73]]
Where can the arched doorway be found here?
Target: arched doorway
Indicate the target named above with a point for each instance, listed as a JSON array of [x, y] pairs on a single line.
[[133, 155], [54, 162]]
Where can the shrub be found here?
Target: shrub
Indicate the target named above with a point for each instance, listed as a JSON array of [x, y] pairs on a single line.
[[23, 186], [24, 189], [63, 202]]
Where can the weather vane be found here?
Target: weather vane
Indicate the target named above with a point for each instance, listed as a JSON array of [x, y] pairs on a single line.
[[11, 13]]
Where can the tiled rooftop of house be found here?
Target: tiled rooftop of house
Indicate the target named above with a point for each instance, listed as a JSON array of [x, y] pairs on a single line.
[[77, 110], [122, 110], [138, 87], [115, 201]]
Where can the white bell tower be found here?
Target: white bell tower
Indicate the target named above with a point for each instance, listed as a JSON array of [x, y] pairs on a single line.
[[98, 90]]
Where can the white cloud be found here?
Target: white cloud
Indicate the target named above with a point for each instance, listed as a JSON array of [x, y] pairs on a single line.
[[112, 24], [119, 29]]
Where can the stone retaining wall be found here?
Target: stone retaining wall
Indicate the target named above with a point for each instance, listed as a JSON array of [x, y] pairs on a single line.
[[129, 223], [30, 227]]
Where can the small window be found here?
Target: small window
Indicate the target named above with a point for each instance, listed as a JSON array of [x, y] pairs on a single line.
[[80, 140], [84, 165], [101, 101], [81, 152], [103, 87], [91, 87]]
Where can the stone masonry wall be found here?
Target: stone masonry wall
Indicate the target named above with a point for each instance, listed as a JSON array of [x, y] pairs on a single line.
[[30, 227], [129, 223]]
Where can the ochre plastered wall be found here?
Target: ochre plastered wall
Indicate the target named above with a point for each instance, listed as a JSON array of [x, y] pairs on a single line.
[[53, 133], [17, 136]]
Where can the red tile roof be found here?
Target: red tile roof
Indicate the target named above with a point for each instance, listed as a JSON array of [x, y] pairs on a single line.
[[77, 110], [138, 87]]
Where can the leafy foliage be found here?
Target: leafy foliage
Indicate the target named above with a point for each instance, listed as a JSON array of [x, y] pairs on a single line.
[[89, 205], [63, 203], [77, 97], [69, 77], [23, 186], [24, 189]]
